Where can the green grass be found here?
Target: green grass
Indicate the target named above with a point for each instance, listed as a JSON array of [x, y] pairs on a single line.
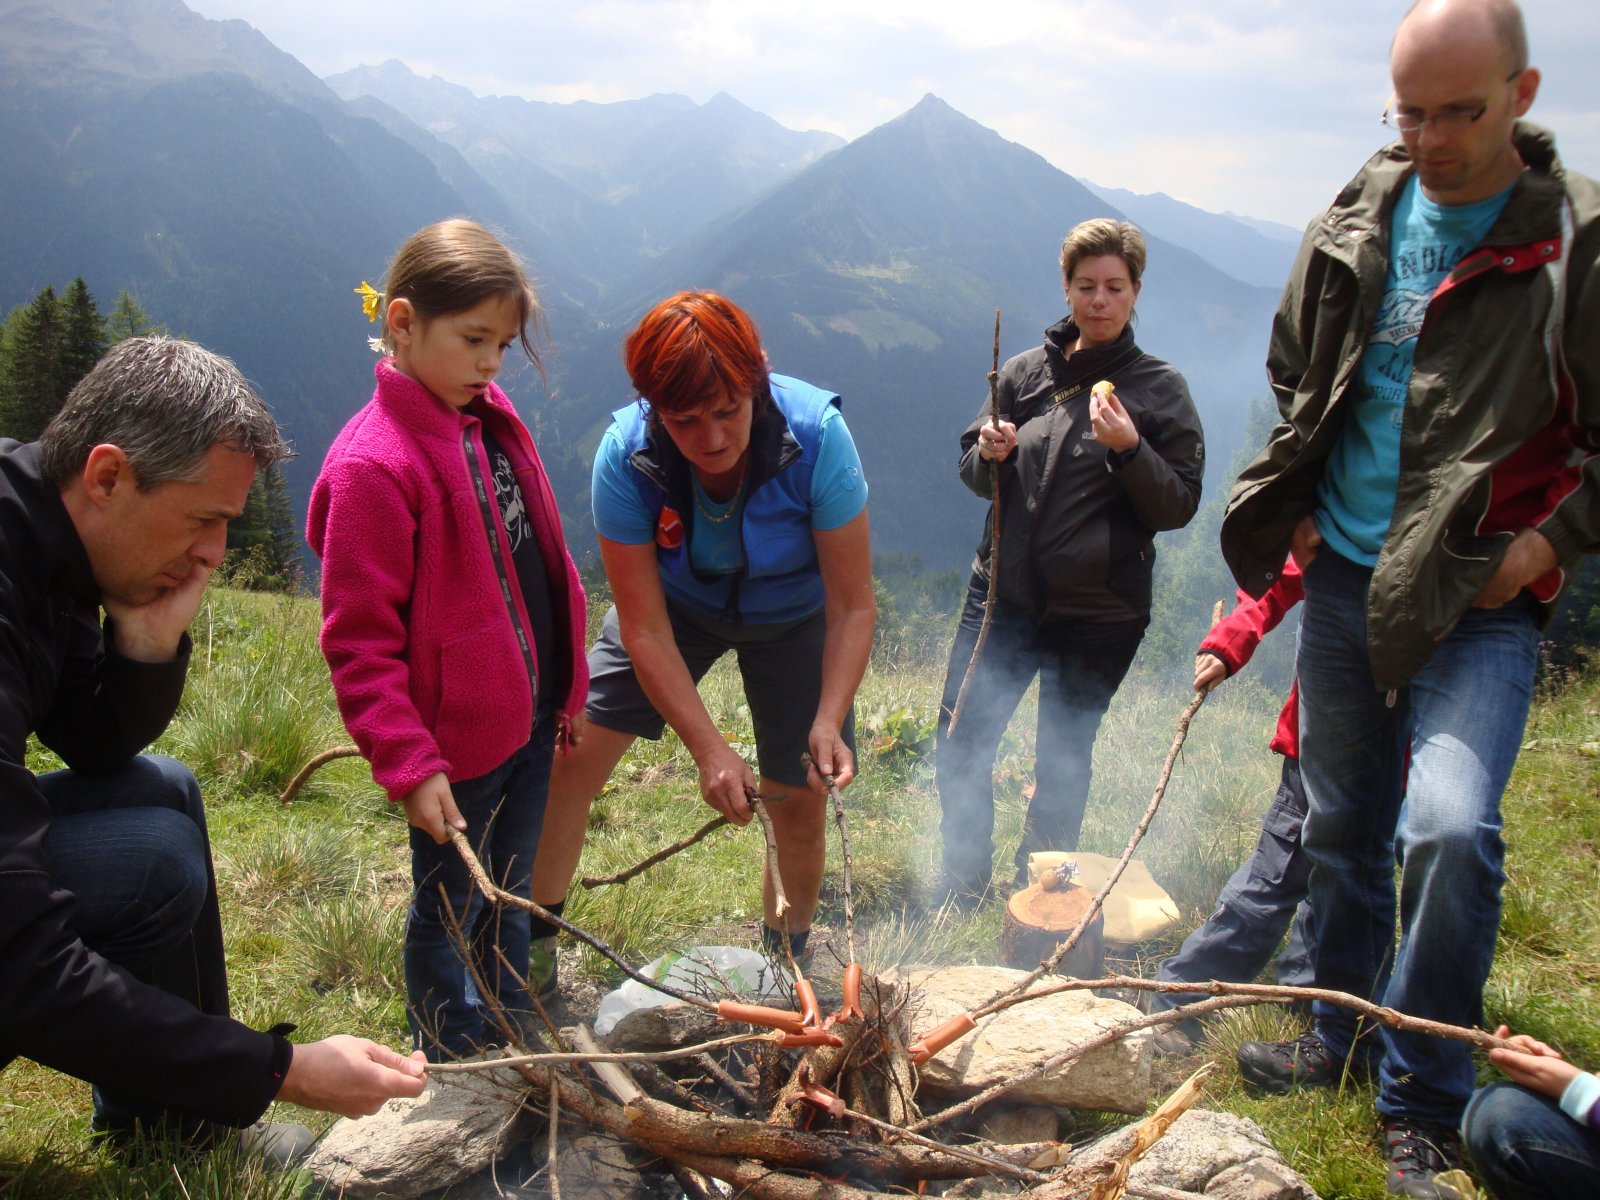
[[314, 892]]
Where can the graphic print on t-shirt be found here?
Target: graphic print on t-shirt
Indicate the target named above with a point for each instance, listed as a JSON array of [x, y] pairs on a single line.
[[509, 497]]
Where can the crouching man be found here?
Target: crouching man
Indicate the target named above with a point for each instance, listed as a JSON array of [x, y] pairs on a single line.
[[111, 959]]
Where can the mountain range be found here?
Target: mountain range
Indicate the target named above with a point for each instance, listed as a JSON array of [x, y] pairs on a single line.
[[241, 198]]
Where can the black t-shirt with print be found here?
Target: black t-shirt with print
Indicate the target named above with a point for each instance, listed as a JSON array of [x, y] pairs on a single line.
[[543, 602]]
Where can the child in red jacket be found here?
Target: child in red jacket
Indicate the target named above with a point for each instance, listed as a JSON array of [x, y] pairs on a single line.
[[453, 620]]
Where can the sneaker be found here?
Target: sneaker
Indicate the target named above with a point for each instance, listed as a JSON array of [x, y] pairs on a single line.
[[1418, 1155], [542, 969], [1284, 1066]]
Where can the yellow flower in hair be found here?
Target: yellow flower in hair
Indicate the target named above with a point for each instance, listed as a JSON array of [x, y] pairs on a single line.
[[371, 300]]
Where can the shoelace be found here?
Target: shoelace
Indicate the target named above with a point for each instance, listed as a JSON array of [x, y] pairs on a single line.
[[1430, 1153]]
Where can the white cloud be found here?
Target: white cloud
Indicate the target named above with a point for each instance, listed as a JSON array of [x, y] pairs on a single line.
[[1262, 108]]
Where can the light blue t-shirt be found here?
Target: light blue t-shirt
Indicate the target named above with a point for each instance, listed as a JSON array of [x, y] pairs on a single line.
[[838, 494], [1356, 495]]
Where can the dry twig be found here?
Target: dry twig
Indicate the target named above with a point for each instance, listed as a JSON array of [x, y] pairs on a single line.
[[594, 881], [994, 542], [317, 762]]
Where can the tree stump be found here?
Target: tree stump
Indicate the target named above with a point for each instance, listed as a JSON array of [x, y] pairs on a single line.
[[1039, 918]]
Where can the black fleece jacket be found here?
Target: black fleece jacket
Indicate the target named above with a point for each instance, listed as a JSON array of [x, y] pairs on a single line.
[[1078, 520], [60, 1003]]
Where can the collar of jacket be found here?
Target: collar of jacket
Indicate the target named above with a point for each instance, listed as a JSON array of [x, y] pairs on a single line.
[[423, 413], [772, 448], [1058, 340], [39, 534], [1357, 217]]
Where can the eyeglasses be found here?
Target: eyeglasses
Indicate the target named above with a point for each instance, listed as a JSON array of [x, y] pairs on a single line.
[[1446, 120]]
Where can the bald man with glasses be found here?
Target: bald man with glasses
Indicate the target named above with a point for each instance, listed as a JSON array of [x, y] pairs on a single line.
[[1436, 362]]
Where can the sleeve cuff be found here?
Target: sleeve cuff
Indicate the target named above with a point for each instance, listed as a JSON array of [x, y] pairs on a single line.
[[1580, 1096]]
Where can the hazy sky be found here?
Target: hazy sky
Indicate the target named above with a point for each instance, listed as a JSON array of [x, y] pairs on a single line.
[[1262, 108]]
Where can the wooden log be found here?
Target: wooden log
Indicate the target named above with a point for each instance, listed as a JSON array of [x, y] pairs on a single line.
[[1037, 919]]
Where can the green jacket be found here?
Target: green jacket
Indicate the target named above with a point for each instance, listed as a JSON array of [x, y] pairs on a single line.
[[1502, 423]]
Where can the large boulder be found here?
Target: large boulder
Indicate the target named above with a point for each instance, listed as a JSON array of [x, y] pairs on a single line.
[[1011, 1043], [458, 1126], [1218, 1156]]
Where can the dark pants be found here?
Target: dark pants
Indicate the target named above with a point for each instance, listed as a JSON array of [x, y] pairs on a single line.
[[131, 847], [504, 811], [1526, 1148], [1079, 666], [1263, 898]]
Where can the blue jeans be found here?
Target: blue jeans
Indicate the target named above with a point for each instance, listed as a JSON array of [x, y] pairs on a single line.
[[1080, 666], [1526, 1148], [1462, 717], [131, 847], [1261, 900], [504, 811]]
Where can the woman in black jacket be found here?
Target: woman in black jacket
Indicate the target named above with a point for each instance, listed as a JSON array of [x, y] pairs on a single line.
[[1087, 476]]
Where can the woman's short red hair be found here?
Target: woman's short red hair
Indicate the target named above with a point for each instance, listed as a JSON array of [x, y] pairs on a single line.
[[694, 348]]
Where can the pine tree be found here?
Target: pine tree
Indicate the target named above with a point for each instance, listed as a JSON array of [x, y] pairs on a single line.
[[83, 333], [33, 384], [128, 320]]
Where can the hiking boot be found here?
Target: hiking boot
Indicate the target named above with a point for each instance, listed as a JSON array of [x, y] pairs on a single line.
[[1283, 1066], [1418, 1155], [542, 969]]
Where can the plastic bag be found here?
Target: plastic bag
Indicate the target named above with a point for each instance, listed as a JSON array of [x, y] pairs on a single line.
[[708, 970]]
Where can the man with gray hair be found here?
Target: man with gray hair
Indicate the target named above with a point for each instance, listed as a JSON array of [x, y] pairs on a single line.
[[111, 957], [1436, 473]]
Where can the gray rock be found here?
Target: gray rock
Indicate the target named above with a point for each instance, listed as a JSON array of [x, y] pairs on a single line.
[[1017, 1126], [597, 1167], [410, 1147], [1114, 1078], [666, 1028], [1220, 1156], [1259, 1179]]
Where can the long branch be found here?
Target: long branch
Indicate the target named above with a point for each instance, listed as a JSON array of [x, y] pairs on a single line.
[[306, 772], [1065, 948], [594, 881], [499, 895], [620, 1056], [994, 542]]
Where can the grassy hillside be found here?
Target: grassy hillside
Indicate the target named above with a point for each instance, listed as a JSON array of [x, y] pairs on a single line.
[[314, 893]]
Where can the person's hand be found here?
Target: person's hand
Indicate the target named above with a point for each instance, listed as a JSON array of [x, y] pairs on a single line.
[[1305, 543], [1536, 1066], [1209, 670], [996, 442], [577, 727], [150, 632], [1529, 556], [431, 807], [1113, 427], [350, 1076], [829, 756], [727, 782]]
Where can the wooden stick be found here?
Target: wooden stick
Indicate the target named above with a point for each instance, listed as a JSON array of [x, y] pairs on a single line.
[[994, 542], [317, 762], [995, 1165], [500, 896], [1148, 1133], [597, 1056], [550, 1143], [844, 852], [1065, 948], [595, 881], [1059, 1060]]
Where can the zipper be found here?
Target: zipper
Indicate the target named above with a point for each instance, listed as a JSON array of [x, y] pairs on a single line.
[[475, 471]]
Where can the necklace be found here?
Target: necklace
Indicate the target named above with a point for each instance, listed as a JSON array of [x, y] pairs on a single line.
[[703, 502]]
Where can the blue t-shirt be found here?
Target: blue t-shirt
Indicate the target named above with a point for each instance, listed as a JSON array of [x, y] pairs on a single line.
[[838, 494], [1356, 495]]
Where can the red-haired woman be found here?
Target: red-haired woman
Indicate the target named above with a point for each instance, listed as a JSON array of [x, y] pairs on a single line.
[[732, 515]]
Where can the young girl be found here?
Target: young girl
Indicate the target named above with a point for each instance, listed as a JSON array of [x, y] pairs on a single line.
[[453, 620]]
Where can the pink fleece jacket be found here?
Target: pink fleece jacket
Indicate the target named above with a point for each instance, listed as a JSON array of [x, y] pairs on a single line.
[[417, 632]]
